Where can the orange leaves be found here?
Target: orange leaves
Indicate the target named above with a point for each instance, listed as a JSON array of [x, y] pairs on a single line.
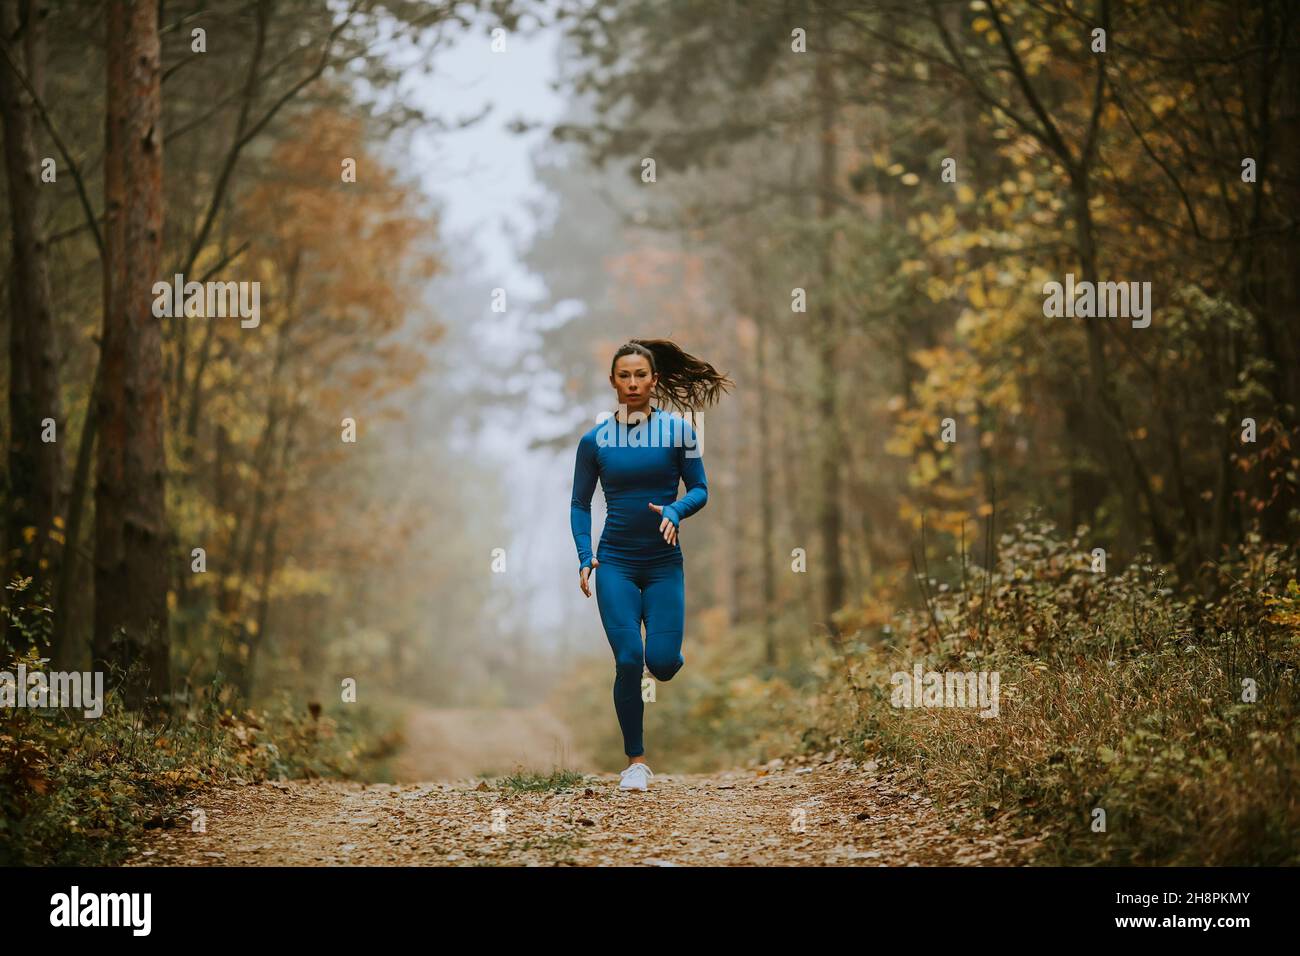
[[23, 762], [1284, 610], [338, 253]]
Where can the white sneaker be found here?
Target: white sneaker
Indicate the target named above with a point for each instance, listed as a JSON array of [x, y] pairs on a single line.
[[635, 777]]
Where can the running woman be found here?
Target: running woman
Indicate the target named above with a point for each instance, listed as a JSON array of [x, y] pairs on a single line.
[[640, 455]]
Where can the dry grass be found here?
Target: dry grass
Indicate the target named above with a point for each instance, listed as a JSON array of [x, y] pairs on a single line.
[[1116, 695]]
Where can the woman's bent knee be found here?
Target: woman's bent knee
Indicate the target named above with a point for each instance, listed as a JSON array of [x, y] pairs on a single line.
[[664, 669]]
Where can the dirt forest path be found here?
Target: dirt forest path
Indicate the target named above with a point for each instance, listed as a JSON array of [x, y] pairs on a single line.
[[449, 744], [827, 811]]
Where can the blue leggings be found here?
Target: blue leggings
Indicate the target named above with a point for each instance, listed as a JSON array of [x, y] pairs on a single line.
[[627, 595]]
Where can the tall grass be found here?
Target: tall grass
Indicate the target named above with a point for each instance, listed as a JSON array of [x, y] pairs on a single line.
[[1119, 694]]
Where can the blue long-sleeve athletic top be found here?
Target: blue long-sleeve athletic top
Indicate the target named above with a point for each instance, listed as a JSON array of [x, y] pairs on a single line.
[[636, 465]]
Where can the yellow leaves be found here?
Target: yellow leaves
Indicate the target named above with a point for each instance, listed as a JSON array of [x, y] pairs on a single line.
[[29, 534], [937, 520], [295, 580], [928, 359], [928, 227], [909, 179], [1035, 55], [1285, 608], [898, 444], [965, 194], [182, 779], [926, 469], [968, 323], [981, 24]]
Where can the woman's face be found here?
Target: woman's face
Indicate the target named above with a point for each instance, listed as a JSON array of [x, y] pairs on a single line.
[[633, 381]]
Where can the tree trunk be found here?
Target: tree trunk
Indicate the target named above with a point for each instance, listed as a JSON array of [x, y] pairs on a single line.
[[1280, 283], [131, 561], [62, 650], [828, 345], [35, 466], [767, 543]]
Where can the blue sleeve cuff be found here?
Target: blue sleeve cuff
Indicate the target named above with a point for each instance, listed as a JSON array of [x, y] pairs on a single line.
[[671, 514]]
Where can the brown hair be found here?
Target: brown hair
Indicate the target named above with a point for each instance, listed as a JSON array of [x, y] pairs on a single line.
[[685, 382]]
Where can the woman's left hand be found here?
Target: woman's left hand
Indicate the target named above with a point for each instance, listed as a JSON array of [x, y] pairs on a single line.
[[666, 526]]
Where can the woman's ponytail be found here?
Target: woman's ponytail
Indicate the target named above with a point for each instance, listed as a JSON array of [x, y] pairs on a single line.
[[685, 382]]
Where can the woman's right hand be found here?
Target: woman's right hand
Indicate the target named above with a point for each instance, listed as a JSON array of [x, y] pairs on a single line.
[[585, 574]]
